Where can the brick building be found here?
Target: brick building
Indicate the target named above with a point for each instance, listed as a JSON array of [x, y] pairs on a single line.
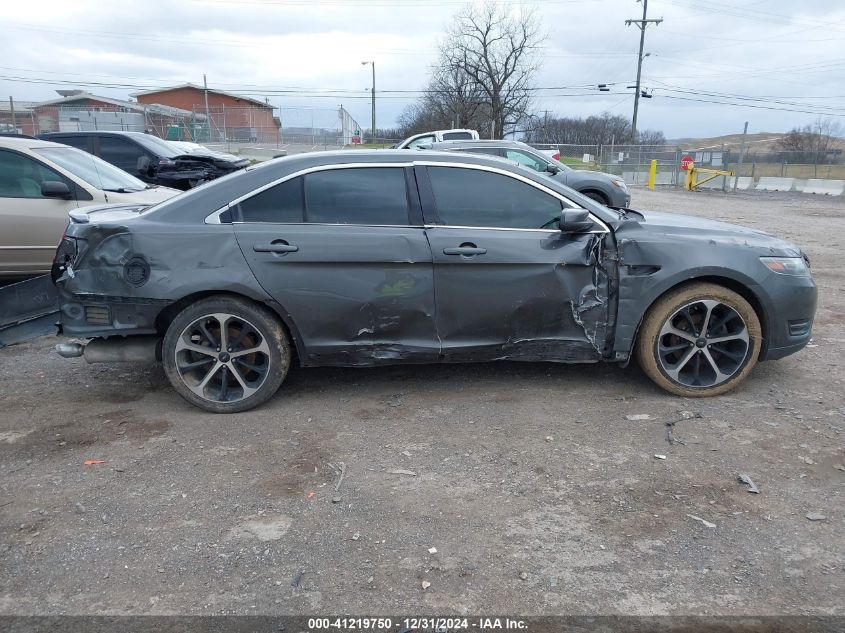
[[78, 110], [233, 117], [21, 122]]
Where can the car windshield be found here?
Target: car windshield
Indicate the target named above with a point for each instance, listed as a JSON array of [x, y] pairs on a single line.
[[95, 171], [161, 148]]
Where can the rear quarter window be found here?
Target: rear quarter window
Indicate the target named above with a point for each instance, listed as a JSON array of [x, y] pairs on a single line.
[[283, 203]]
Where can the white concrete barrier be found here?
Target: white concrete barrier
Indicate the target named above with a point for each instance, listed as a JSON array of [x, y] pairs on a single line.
[[743, 183], [771, 183], [663, 178], [824, 187]]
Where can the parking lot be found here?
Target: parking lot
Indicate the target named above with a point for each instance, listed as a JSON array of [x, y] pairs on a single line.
[[495, 488]]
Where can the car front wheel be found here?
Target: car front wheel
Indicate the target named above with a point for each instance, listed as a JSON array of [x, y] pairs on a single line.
[[226, 354], [699, 340], [598, 197]]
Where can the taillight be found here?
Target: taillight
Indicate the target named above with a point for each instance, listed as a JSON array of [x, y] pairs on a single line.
[[556, 156], [67, 251], [65, 257]]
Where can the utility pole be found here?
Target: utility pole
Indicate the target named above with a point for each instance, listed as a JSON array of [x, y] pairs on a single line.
[[641, 24], [12, 110], [741, 155], [373, 64], [207, 116]]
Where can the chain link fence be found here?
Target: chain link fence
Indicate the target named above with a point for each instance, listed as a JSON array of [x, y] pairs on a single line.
[[633, 162]]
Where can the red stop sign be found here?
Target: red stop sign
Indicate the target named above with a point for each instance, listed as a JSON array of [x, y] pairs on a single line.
[[686, 162]]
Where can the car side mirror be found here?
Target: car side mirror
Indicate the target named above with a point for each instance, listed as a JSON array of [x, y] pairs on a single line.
[[575, 221], [55, 189], [552, 169], [143, 164]]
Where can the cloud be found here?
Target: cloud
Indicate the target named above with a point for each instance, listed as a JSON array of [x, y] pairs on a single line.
[[772, 49]]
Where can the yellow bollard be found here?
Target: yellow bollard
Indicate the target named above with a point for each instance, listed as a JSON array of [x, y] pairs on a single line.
[[652, 174], [690, 180]]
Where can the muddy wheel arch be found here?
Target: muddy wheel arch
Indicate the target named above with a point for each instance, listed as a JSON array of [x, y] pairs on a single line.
[[628, 330]]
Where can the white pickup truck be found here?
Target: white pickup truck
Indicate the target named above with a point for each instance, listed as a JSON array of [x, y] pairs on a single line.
[[427, 138]]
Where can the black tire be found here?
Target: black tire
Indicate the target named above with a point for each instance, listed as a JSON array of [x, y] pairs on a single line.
[[598, 197], [699, 340], [239, 375]]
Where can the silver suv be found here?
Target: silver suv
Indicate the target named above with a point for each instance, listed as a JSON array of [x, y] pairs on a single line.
[[607, 189]]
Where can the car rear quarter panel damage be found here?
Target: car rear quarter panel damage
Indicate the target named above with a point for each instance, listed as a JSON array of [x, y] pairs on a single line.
[[181, 260]]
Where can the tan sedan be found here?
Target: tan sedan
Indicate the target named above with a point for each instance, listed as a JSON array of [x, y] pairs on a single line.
[[40, 182]]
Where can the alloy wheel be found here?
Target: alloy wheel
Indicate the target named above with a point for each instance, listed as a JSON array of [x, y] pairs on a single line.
[[222, 357], [703, 344]]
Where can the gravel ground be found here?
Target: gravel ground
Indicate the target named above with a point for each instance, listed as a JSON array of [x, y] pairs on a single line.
[[496, 488]]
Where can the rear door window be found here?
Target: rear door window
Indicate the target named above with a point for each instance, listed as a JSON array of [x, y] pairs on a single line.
[[475, 198], [362, 195]]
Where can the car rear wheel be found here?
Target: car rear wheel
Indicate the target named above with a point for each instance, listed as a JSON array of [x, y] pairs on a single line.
[[224, 354], [699, 340]]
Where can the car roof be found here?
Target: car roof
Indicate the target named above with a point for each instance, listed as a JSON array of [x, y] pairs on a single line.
[[97, 133], [479, 143], [25, 142]]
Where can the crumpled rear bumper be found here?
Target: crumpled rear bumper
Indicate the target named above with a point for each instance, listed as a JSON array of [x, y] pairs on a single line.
[[28, 309]]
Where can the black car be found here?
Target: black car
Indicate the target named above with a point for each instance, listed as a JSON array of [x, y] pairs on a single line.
[[378, 257], [150, 158]]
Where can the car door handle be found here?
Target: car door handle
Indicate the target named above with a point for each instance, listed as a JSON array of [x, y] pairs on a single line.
[[278, 246], [465, 249]]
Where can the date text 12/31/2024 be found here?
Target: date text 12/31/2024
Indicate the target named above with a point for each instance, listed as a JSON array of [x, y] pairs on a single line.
[[377, 625]]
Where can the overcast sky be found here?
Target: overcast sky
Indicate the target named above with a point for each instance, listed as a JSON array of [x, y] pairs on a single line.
[[783, 54]]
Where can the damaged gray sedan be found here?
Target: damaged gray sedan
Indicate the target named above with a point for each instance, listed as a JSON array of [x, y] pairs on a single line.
[[369, 258]]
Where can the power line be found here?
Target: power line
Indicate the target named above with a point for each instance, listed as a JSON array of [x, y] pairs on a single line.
[[751, 105]]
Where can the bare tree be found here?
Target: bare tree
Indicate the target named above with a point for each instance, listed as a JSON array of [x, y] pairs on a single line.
[[811, 142], [495, 46], [451, 99], [601, 129]]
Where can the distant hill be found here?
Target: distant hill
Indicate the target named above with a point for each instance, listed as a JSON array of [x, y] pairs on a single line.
[[760, 140]]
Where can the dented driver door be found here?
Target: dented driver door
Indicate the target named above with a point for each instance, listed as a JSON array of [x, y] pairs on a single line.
[[508, 283], [344, 253]]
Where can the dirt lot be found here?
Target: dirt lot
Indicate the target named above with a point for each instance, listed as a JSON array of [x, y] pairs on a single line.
[[538, 494]]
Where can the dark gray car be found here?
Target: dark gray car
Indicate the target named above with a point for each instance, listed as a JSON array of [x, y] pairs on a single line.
[[607, 189], [377, 257]]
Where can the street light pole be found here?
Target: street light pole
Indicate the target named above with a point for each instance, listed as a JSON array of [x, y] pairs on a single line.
[[373, 129]]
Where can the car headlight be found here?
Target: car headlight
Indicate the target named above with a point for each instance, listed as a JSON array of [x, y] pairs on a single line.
[[795, 266], [620, 183]]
